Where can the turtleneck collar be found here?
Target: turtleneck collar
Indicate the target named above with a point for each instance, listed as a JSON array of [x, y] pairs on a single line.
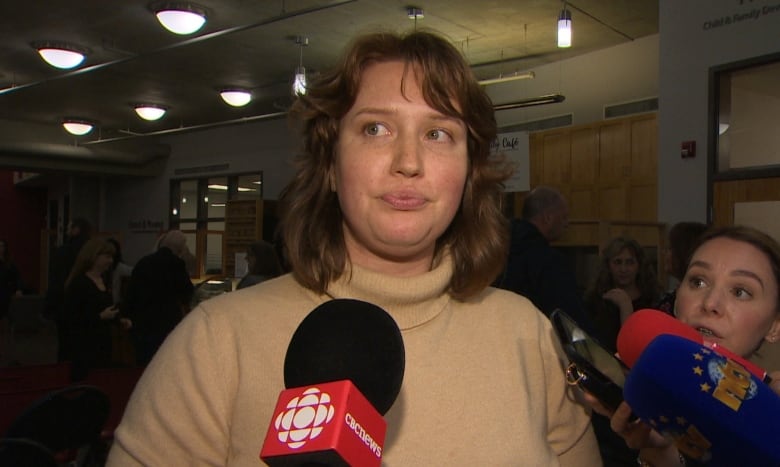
[[411, 301]]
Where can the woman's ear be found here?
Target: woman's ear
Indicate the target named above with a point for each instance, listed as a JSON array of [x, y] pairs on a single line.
[[774, 332]]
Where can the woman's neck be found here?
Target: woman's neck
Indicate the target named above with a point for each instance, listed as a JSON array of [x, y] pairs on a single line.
[[632, 291], [96, 277]]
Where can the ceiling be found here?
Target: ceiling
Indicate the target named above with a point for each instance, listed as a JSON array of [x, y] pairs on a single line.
[[245, 43]]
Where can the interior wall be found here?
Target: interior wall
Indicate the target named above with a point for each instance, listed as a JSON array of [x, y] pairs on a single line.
[[696, 35], [22, 218], [265, 146], [624, 73]]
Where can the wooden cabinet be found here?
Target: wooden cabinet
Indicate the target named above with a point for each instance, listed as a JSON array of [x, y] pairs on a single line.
[[243, 225], [607, 170]]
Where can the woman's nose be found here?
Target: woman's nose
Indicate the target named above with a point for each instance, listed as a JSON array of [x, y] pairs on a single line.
[[407, 159], [712, 301]]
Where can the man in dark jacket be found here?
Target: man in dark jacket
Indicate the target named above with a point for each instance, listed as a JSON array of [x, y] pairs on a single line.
[[158, 295], [535, 269]]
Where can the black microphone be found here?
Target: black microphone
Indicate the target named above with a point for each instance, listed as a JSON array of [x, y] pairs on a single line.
[[343, 370]]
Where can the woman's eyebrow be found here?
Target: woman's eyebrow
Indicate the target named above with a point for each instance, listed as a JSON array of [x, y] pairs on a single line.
[[747, 273]]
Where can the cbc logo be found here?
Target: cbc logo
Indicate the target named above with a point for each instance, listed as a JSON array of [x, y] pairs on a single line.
[[304, 418]]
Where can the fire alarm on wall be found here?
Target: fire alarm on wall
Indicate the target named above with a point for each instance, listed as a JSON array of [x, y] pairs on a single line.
[[688, 149]]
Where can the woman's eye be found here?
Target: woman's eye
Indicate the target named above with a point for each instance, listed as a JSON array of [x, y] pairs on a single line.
[[696, 282], [376, 129], [438, 135], [739, 292]]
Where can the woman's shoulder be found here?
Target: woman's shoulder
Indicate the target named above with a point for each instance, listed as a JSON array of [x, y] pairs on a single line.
[[507, 304]]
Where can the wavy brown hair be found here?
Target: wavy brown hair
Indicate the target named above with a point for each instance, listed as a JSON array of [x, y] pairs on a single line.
[[311, 219]]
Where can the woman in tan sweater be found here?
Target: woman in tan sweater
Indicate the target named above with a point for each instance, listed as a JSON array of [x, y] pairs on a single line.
[[395, 202]]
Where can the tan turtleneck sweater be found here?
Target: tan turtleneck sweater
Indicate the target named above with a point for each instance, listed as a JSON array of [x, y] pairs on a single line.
[[483, 385]]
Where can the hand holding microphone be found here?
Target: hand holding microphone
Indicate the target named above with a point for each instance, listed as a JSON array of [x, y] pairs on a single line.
[[343, 368], [714, 404]]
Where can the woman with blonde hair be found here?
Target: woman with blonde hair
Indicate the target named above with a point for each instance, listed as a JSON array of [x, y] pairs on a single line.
[[89, 307], [625, 281]]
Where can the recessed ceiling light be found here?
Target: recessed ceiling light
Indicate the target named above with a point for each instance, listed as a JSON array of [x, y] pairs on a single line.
[[150, 112], [180, 18], [236, 97], [61, 54]]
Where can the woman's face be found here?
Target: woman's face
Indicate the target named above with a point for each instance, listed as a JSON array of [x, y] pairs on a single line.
[[103, 262], [400, 170], [730, 295], [623, 268]]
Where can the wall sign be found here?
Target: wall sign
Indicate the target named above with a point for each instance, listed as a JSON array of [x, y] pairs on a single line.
[[144, 225], [515, 146]]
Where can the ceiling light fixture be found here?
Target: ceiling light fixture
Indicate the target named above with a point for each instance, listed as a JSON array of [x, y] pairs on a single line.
[[564, 27], [414, 13], [540, 100], [299, 82], [150, 112], [61, 54], [180, 17], [236, 97], [78, 127], [513, 77]]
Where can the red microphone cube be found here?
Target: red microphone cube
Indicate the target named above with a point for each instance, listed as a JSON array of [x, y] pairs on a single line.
[[329, 423]]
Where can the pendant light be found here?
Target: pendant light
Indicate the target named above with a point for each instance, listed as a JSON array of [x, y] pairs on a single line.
[[564, 27], [61, 55], [299, 82], [150, 112], [236, 97], [78, 127], [180, 17]]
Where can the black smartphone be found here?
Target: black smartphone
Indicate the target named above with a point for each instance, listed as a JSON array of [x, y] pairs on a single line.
[[591, 366]]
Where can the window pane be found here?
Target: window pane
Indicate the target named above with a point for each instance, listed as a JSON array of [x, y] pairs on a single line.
[[748, 108], [214, 249], [189, 199], [250, 186], [216, 197]]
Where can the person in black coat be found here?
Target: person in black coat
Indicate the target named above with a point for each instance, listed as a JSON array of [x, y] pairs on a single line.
[[158, 295], [534, 268]]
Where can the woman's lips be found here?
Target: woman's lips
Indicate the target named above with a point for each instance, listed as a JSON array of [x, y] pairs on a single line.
[[707, 333], [404, 201]]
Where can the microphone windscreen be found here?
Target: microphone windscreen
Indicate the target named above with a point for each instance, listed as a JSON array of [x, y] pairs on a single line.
[[712, 406], [347, 339], [643, 326]]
